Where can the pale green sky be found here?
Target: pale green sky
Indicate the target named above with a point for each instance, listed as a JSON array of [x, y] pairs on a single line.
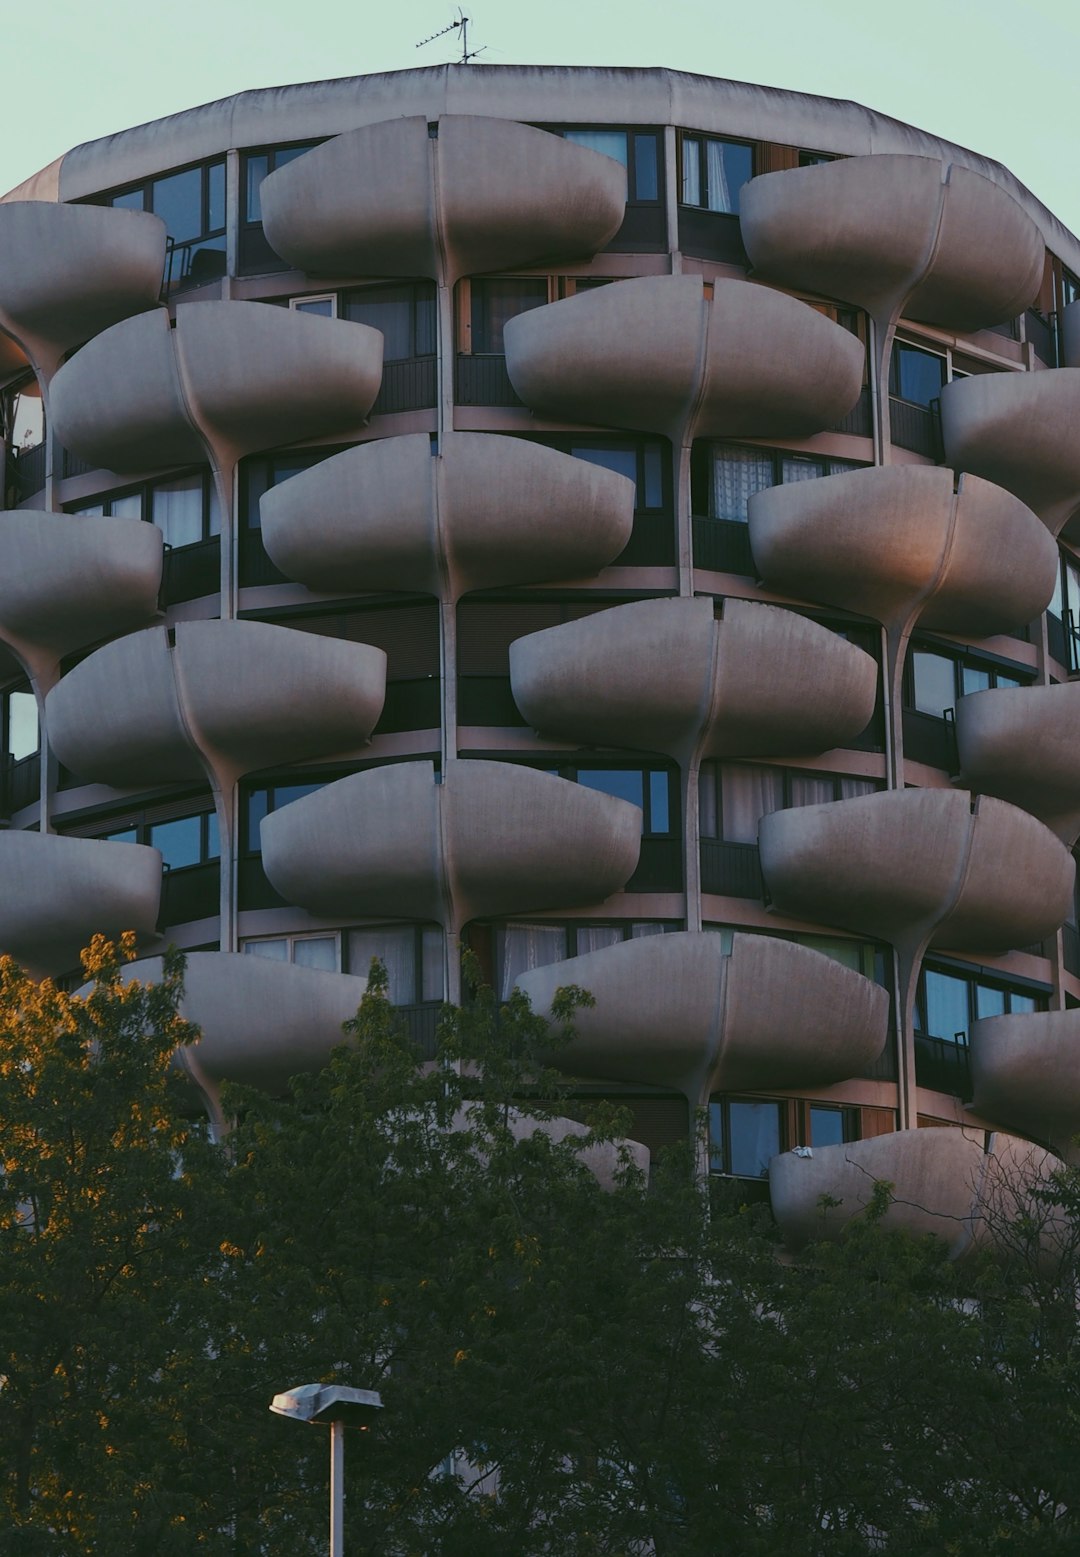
[[999, 76]]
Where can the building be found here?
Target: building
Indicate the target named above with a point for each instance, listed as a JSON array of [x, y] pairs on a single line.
[[418, 547]]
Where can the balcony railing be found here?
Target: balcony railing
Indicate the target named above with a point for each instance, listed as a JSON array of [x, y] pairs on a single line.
[[193, 263], [859, 421], [1070, 949], [943, 1064], [20, 783], [255, 565], [189, 572], [1063, 640], [29, 471], [1042, 332], [192, 892], [488, 700], [931, 738], [724, 546], [731, 869], [643, 231], [711, 235], [916, 427], [408, 385], [659, 867], [651, 543], [422, 1025], [484, 381], [411, 704], [253, 889]]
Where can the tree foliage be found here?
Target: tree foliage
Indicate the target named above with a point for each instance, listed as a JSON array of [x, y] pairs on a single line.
[[566, 1368]]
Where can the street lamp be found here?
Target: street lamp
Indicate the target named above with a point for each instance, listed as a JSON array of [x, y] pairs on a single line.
[[338, 1406]]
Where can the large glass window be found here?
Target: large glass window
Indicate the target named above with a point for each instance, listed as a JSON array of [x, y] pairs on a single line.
[[637, 150], [650, 789], [714, 172], [916, 375], [411, 954], [184, 841], [191, 203], [257, 165], [186, 508], [744, 1135], [495, 302], [521, 947], [725, 476], [733, 797], [936, 682], [949, 1000], [259, 803], [643, 460], [306, 951], [259, 474], [404, 313]]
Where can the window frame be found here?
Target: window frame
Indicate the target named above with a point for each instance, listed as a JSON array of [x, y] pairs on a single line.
[[144, 490], [706, 451], [702, 139], [632, 132], [993, 666]]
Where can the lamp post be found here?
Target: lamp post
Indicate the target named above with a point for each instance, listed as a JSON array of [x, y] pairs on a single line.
[[338, 1407]]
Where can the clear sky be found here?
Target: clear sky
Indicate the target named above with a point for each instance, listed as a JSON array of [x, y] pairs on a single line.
[[999, 76]]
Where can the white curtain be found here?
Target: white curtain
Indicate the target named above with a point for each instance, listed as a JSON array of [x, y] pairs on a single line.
[[747, 794], [431, 964], [525, 946], [691, 171], [595, 937], [276, 950], [643, 928], [717, 188], [317, 951], [809, 790], [176, 509], [736, 474], [850, 787], [395, 947], [800, 470]]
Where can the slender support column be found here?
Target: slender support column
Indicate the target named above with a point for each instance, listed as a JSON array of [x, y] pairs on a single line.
[[337, 1489], [691, 774], [227, 803], [684, 526]]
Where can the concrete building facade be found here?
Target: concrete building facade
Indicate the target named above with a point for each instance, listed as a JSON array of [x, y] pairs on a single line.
[[619, 520]]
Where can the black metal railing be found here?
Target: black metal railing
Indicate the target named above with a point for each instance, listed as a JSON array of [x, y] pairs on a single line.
[[189, 572], [192, 892], [859, 421], [20, 783], [255, 256], [255, 565], [488, 700], [422, 1024], [711, 235], [253, 889], [659, 867], [74, 465], [943, 1064], [643, 230], [193, 263], [931, 738], [484, 381], [1042, 332], [1009, 328], [29, 471], [408, 385], [885, 1067], [413, 703], [915, 427], [731, 869], [651, 543], [1070, 949], [1063, 640], [724, 546]]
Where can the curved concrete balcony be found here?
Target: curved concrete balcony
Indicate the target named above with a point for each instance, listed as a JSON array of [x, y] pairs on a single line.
[[261, 1021], [230, 697], [943, 1183], [231, 378], [1022, 744], [70, 271], [913, 865], [658, 355], [896, 234], [488, 511], [1018, 430], [899, 544], [675, 1011], [391, 199], [1025, 1072], [70, 581], [55, 893], [492, 838], [666, 675]]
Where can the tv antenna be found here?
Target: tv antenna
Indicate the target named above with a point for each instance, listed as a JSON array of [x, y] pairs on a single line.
[[461, 25]]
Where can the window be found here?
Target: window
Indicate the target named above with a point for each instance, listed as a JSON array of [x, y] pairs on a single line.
[[184, 508], [1063, 616], [411, 954], [259, 474], [307, 951], [23, 412], [261, 801], [191, 203], [935, 682], [322, 304], [829, 1125], [725, 476], [522, 947], [637, 150], [916, 375], [405, 313], [650, 789], [257, 165], [744, 1135], [733, 797], [19, 735], [714, 172], [815, 159], [948, 1001], [497, 301], [183, 840], [1070, 287]]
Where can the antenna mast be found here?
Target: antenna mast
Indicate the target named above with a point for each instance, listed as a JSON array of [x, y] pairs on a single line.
[[461, 25]]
